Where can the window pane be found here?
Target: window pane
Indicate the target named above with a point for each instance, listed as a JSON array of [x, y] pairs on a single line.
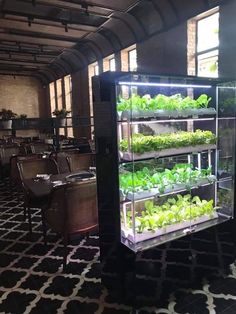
[[59, 94], [133, 60], [96, 70], [208, 32], [208, 64], [112, 64], [68, 92], [52, 96]]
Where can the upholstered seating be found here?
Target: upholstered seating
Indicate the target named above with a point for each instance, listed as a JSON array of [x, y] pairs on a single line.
[[72, 209]]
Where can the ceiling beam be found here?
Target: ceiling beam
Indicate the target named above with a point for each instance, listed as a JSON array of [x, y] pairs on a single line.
[[108, 5], [37, 49], [16, 8], [32, 54], [22, 61], [71, 26], [42, 29], [95, 10], [34, 40], [28, 33]]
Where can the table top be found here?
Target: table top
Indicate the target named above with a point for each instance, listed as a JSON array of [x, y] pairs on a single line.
[[41, 188]]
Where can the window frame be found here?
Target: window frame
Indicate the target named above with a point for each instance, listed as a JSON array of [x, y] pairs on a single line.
[[63, 95], [129, 63], [206, 51]]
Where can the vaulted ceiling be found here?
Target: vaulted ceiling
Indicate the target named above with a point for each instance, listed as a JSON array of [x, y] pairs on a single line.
[[51, 38]]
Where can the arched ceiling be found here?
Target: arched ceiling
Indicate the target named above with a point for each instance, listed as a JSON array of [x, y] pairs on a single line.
[[51, 38]]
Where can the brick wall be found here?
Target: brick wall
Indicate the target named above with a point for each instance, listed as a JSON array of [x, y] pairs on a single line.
[[24, 95], [191, 47], [80, 100]]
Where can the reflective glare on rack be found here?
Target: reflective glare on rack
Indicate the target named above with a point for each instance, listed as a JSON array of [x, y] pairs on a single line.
[[163, 84], [225, 87], [226, 118], [164, 121]]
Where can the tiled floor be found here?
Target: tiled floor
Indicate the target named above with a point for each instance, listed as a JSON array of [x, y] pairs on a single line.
[[32, 281]]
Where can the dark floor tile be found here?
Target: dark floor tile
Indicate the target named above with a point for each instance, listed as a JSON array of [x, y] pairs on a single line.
[[85, 254], [59, 251], [192, 304], [34, 282], [94, 271], [9, 278], [48, 265], [33, 237], [10, 203], [18, 247], [5, 216], [16, 302], [75, 268], [230, 310], [81, 307], [208, 259], [7, 259], [62, 286], [15, 210], [91, 290], [13, 235], [221, 305], [152, 254], [226, 286], [4, 244], [39, 249], [18, 218], [109, 310], [24, 226], [91, 242], [47, 306], [26, 262], [52, 238]]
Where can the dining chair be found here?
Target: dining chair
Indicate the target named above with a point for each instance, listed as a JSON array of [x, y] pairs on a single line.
[[14, 178], [72, 209], [78, 161], [6, 152], [62, 161], [40, 147], [29, 169]]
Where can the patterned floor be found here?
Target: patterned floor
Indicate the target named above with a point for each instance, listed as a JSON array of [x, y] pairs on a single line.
[[32, 281]]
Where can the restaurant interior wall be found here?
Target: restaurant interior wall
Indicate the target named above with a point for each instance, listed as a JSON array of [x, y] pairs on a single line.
[[164, 53], [24, 95], [80, 100], [227, 37]]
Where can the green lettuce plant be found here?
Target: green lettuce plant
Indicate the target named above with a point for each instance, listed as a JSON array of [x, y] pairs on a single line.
[[146, 179], [146, 143], [172, 211], [162, 102]]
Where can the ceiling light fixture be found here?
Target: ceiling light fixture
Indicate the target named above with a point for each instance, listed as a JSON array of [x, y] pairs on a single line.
[[30, 20], [84, 5], [66, 27]]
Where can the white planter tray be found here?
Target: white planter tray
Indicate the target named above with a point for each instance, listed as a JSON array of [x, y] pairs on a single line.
[[139, 237], [129, 156], [167, 113], [155, 192]]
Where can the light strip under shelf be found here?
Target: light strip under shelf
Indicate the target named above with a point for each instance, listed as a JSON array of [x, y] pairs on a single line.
[[162, 84]]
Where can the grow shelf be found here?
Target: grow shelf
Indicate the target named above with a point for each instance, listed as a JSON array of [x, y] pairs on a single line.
[[185, 226], [153, 192], [152, 242], [195, 113], [129, 156]]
